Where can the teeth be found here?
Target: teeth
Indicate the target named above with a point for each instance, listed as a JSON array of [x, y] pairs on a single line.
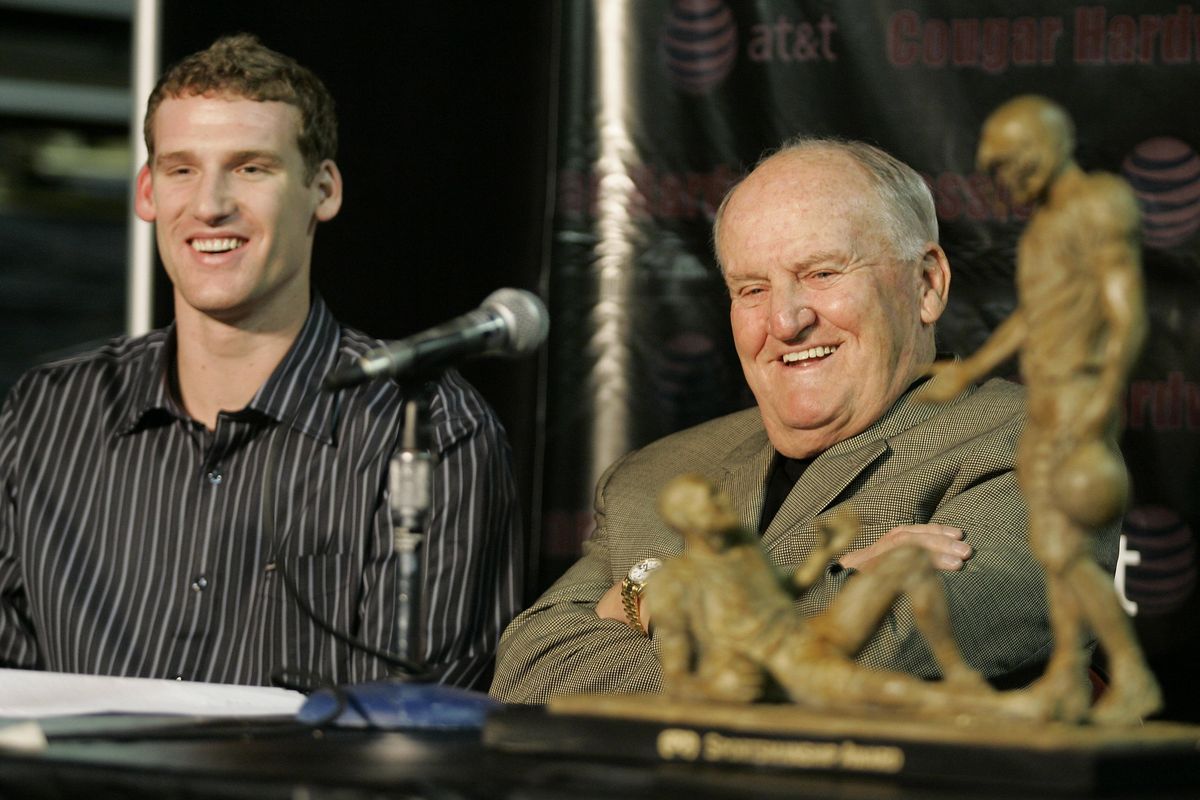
[[805, 355], [215, 245]]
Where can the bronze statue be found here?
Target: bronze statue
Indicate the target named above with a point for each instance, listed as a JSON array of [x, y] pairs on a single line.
[[1077, 329], [726, 629]]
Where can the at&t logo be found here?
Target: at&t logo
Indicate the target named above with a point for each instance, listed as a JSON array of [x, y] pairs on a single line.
[[699, 43]]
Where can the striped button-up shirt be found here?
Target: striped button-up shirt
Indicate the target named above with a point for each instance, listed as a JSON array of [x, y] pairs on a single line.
[[134, 541]]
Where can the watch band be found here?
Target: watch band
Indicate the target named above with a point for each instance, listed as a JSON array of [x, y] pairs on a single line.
[[632, 587]]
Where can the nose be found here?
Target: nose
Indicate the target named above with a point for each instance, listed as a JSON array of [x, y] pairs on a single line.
[[213, 202], [791, 317]]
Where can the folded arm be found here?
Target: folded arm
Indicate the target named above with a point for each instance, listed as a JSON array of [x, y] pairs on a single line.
[[996, 600], [561, 645]]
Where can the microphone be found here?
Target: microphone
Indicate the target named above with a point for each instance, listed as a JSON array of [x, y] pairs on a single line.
[[510, 322]]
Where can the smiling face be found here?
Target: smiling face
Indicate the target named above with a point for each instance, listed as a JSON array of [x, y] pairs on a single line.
[[830, 325], [234, 215]]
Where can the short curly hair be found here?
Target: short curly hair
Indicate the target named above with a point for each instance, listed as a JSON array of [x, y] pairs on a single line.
[[241, 66]]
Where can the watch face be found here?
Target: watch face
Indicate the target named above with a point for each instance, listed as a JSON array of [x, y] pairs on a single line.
[[643, 568]]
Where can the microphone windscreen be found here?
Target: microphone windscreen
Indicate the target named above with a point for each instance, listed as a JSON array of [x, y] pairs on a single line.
[[525, 318]]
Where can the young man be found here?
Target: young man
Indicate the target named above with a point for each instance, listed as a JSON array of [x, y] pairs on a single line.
[[160, 492]]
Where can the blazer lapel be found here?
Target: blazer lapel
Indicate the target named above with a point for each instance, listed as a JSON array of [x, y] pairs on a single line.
[[827, 477], [745, 477], [834, 470], [820, 485]]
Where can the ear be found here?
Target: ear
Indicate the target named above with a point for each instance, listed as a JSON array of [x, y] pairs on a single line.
[[935, 283], [143, 195], [328, 185]]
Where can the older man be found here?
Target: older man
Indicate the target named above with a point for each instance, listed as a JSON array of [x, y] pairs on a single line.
[[830, 253]]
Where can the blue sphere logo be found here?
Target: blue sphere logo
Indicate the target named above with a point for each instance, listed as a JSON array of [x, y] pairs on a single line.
[[1165, 176], [699, 44]]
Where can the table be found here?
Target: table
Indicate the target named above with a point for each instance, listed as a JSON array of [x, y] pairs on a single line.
[[131, 757]]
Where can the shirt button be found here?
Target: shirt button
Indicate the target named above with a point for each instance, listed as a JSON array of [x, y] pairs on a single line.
[[215, 477], [200, 584]]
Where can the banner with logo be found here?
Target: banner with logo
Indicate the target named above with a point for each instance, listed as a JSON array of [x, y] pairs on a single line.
[[663, 104]]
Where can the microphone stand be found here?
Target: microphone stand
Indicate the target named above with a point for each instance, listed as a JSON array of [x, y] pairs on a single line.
[[410, 487], [405, 700]]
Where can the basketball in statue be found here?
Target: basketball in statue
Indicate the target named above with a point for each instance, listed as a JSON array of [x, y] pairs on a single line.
[[1091, 485]]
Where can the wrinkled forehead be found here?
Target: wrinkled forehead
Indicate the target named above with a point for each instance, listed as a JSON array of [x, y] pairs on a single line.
[[804, 182], [801, 199]]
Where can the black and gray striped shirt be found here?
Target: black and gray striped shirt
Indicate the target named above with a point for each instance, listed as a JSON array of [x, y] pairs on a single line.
[[133, 541]]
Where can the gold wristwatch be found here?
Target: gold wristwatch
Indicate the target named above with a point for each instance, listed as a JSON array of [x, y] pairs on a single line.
[[631, 589]]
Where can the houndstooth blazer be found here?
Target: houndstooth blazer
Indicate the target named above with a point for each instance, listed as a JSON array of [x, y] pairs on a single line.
[[950, 464]]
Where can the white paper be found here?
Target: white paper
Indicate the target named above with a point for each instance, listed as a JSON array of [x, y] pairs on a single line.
[[26, 694], [23, 737]]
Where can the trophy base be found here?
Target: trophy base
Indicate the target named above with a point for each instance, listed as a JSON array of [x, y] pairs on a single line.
[[964, 749]]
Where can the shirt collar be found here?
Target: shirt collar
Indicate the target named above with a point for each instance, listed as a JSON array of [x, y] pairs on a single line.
[[150, 398], [292, 393]]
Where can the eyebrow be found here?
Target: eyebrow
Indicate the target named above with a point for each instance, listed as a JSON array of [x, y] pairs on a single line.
[[825, 257], [268, 156], [186, 157], [813, 260], [170, 159]]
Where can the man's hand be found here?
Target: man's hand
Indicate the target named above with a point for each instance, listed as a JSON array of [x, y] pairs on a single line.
[[945, 546], [611, 606]]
